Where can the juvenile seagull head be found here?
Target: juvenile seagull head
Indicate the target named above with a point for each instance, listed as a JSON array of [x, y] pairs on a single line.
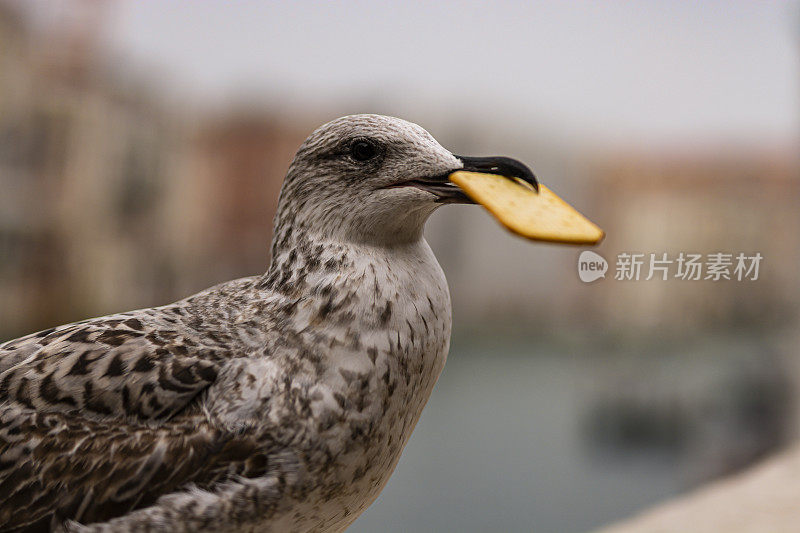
[[375, 179]]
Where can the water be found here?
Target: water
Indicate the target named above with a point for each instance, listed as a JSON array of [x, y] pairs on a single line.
[[501, 447]]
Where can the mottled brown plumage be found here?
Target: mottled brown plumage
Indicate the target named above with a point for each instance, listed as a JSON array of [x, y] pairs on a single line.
[[103, 416]]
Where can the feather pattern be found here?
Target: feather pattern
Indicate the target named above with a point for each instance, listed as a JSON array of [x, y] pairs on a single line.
[[271, 403]]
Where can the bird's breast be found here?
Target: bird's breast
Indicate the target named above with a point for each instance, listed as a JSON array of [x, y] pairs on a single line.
[[382, 362], [387, 339], [351, 366]]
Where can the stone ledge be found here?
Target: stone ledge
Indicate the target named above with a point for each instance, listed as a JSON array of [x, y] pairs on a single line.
[[763, 498]]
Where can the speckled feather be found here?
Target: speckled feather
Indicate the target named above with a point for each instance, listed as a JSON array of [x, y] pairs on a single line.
[[278, 402]]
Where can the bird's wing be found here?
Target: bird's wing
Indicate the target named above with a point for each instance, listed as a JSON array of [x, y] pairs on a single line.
[[146, 364], [58, 466], [100, 417]]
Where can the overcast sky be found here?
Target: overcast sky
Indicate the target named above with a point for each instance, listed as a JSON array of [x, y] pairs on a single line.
[[653, 70]]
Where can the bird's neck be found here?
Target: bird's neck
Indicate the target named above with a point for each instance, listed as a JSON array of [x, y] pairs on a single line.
[[310, 265], [355, 283]]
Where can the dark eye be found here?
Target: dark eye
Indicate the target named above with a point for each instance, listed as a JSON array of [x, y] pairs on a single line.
[[363, 150]]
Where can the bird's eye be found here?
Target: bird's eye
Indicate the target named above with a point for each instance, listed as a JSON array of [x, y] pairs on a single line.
[[363, 150]]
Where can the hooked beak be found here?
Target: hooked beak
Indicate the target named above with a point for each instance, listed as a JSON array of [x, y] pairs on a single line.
[[503, 166], [449, 193]]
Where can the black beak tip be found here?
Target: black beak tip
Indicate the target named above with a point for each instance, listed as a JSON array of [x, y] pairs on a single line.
[[505, 166], [534, 182]]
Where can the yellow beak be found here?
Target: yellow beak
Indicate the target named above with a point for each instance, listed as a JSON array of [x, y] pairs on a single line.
[[541, 216]]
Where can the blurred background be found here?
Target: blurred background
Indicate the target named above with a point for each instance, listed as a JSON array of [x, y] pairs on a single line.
[[143, 145]]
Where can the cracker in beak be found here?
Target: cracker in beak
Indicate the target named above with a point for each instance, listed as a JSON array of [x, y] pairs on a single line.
[[541, 216]]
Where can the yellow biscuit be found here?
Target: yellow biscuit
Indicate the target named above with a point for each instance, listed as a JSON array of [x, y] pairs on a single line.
[[541, 216]]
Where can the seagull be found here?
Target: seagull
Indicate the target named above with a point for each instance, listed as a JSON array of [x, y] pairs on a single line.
[[279, 402]]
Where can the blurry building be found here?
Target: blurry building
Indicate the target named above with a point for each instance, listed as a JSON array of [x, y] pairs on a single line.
[[27, 156], [82, 156], [224, 193], [113, 198], [700, 202]]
